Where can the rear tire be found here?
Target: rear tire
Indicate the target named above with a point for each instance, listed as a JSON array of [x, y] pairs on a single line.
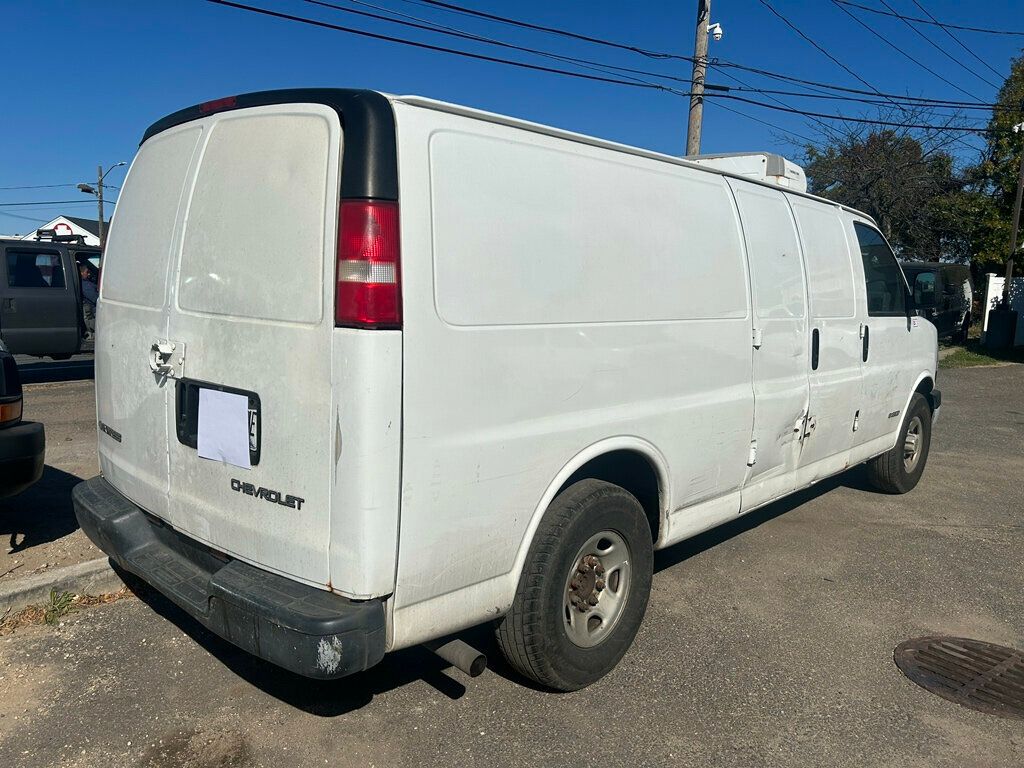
[[900, 469], [584, 588]]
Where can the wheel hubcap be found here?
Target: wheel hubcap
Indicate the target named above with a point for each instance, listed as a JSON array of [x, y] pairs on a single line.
[[596, 589], [912, 444]]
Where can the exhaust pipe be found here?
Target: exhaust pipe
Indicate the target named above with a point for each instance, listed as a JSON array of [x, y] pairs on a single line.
[[460, 655]]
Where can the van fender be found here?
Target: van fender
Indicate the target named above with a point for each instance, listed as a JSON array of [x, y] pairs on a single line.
[[621, 443], [910, 395]]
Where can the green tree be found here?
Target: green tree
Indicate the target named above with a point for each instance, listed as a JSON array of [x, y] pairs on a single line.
[[912, 190], [996, 176]]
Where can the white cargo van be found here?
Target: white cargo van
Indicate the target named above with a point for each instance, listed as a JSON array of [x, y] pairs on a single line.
[[482, 367]]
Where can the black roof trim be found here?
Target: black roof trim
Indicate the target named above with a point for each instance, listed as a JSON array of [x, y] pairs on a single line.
[[370, 164]]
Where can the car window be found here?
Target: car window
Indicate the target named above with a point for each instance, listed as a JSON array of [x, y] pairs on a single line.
[[34, 269], [886, 290], [924, 289]]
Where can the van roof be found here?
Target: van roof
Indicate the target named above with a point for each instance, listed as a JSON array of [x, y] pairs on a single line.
[[369, 114], [492, 117]]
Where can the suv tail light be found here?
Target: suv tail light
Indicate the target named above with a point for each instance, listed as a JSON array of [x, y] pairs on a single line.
[[368, 293], [10, 412], [10, 391]]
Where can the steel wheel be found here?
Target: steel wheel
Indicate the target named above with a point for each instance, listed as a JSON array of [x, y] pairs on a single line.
[[912, 444], [596, 589]]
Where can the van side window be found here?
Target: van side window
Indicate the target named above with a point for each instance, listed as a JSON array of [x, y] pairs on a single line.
[[883, 277], [34, 269]]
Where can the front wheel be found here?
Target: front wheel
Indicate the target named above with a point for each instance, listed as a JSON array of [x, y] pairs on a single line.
[[900, 469], [584, 588]]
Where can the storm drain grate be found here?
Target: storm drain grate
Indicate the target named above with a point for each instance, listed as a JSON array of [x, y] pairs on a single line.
[[981, 676]]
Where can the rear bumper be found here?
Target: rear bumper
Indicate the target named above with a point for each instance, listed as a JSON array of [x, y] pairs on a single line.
[[303, 629], [22, 453]]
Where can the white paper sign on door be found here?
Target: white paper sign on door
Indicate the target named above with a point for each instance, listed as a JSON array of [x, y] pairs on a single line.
[[224, 427]]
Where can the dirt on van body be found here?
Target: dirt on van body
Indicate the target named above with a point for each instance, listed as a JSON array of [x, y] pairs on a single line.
[[38, 530]]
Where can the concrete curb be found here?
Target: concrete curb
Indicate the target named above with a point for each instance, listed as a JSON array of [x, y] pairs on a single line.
[[92, 578]]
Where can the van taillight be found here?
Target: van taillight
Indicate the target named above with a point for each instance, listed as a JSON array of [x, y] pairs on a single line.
[[368, 291]]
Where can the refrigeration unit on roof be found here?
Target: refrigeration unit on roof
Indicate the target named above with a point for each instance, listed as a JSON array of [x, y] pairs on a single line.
[[764, 166]]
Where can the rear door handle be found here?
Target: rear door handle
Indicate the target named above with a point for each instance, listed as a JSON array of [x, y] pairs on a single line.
[[866, 343], [815, 344]]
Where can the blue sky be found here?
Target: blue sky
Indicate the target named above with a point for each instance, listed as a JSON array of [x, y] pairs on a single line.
[[84, 79]]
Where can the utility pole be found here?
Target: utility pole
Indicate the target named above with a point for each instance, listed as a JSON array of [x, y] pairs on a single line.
[[700, 67], [99, 200], [1015, 224], [98, 191]]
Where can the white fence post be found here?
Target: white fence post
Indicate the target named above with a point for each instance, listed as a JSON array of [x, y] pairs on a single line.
[[993, 293]]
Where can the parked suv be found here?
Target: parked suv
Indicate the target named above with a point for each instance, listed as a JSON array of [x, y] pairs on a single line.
[[41, 297], [943, 293], [22, 443]]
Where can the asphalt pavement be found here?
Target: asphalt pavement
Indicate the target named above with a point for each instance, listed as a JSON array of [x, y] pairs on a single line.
[[768, 642]]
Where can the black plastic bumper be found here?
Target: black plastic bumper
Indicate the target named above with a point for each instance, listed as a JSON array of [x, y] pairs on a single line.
[[306, 630], [22, 453]]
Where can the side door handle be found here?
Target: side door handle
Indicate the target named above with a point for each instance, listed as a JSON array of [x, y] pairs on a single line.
[[815, 345], [865, 334]]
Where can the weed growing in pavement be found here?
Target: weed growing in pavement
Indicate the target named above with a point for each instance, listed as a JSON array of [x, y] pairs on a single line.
[[60, 605], [50, 613]]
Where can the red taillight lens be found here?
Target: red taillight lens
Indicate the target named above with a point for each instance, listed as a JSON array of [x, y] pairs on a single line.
[[368, 293], [217, 105]]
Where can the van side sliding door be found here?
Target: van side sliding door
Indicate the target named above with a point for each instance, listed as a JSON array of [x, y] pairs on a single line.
[[835, 346], [780, 333]]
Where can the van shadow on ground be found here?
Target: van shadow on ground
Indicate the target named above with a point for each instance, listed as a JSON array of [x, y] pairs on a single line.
[[41, 514], [339, 697]]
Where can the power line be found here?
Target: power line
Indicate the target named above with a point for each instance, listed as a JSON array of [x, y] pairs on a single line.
[[441, 29], [417, 22], [727, 108], [50, 202], [940, 49], [956, 40], [551, 30], [904, 101], [50, 186], [632, 83], [451, 7], [943, 24], [23, 218], [825, 126], [901, 51], [39, 186], [429, 47], [796, 29], [848, 119], [846, 68], [844, 89]]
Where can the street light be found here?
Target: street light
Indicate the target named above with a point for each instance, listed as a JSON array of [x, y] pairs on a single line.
[[89, 189]]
